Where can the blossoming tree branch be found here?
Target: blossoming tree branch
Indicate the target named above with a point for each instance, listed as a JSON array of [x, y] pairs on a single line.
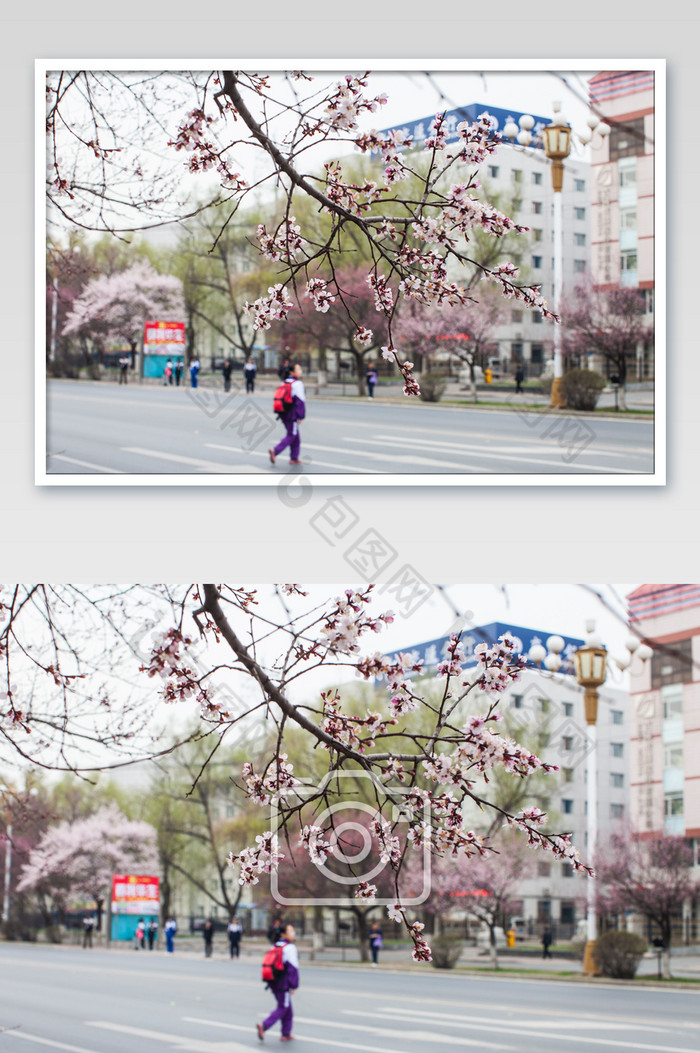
[[415, 222], [259, 670]]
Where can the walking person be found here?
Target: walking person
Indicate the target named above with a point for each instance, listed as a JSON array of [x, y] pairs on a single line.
[[170, 928], [208, 934], [519, 377], [546, 943], [371, 379], [152, 932], [282, 978], [178, 372], [249, 371], [88, 929], [275, 930], [226, 372], [168, 372], [290, 407], [123, 369], [375, 942], [285, 369], [194, 371], [140, 935], [235, 932]]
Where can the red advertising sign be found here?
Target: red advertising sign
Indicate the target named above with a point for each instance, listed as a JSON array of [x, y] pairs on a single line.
[[161, 337], [135, 894]]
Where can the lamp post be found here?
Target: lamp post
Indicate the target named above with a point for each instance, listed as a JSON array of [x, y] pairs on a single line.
[[590, 668]]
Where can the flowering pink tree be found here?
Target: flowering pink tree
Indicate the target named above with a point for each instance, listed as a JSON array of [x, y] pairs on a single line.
[[424, 754], [415, 221], [609, 323], [115, 307], [465, 331], [77, 860], [651, 876]]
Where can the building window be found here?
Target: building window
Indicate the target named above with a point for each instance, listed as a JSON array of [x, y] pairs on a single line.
[[537, 178], [579, 239], [545, 704], [579, 184], [627, 140], [516, 316], [617, 811], [537, 262], [567, 870], [567, 774], [672, 698], [673, 756], [628, 260], [616, 716], [673, 804], [673, 665], [544, 869], [537, 234], [616, 749], [536, 319], [579, 266], [493, 171], [568, 910], [537, 207], [617, 779], [517, 175], [567, 805], [628, 219], [516, 701], [567, 743], [579, 213], [628, 176], [568, 708]]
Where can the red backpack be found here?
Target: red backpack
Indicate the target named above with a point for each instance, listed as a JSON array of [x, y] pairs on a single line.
[[282, 399], [273, 965]]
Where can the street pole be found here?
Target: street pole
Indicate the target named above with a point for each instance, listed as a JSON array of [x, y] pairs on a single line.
[[8, 871], [589, 964], [556, 397]]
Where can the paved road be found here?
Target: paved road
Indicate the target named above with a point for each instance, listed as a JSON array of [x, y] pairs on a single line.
[[95, 428], [98, 1001]]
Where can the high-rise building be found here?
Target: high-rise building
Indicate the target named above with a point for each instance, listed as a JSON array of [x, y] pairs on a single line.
[[665, 695], [622, 205]]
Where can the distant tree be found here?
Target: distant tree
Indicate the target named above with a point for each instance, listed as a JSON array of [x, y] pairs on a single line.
[[650, 876], [348, 298], [115, 307], [77, 860], [605, 322], [466, 331]]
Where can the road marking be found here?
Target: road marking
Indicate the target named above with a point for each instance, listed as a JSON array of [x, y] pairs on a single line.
[[554, 446], [49, 1042], [83, 464], [576, 1023], [515, 1029], [191, 462], [312, 464], [481, 452], [191, 1045], [301, 1038], [428, 1037]]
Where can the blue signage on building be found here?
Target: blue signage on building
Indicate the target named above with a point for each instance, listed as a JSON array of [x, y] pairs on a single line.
[[420, 130], [434, 651]]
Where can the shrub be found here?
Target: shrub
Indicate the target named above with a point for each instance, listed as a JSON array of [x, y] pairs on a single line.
[[432, 386], [446, 951], [581, 388], [618, 954]]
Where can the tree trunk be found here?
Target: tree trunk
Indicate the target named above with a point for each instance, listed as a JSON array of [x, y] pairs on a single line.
[[363, 941], [494, 948], [472, 382]]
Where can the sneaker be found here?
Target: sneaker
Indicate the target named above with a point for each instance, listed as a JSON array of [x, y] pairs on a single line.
[[261, 1031], [295, 462], [286, 1038], [272, 456]]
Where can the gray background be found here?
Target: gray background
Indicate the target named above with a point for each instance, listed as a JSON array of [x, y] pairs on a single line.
[[518, 534]]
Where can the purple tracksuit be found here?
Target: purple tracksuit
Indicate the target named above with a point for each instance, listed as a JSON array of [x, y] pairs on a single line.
[[290, 419], [282, 989]]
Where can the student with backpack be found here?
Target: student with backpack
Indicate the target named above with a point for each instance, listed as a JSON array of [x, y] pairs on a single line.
[[289, 403], [280, 972]]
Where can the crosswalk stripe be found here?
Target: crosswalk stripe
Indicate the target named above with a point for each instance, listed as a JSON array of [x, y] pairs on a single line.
[[428, 1037], [39, 1040], [305, 446], [575, 1023], [191, 462], [534, 447], [83, 464], [515, 1029]]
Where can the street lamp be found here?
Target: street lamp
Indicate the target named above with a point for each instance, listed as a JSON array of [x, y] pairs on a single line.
[[556, 140], [590, 670]]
